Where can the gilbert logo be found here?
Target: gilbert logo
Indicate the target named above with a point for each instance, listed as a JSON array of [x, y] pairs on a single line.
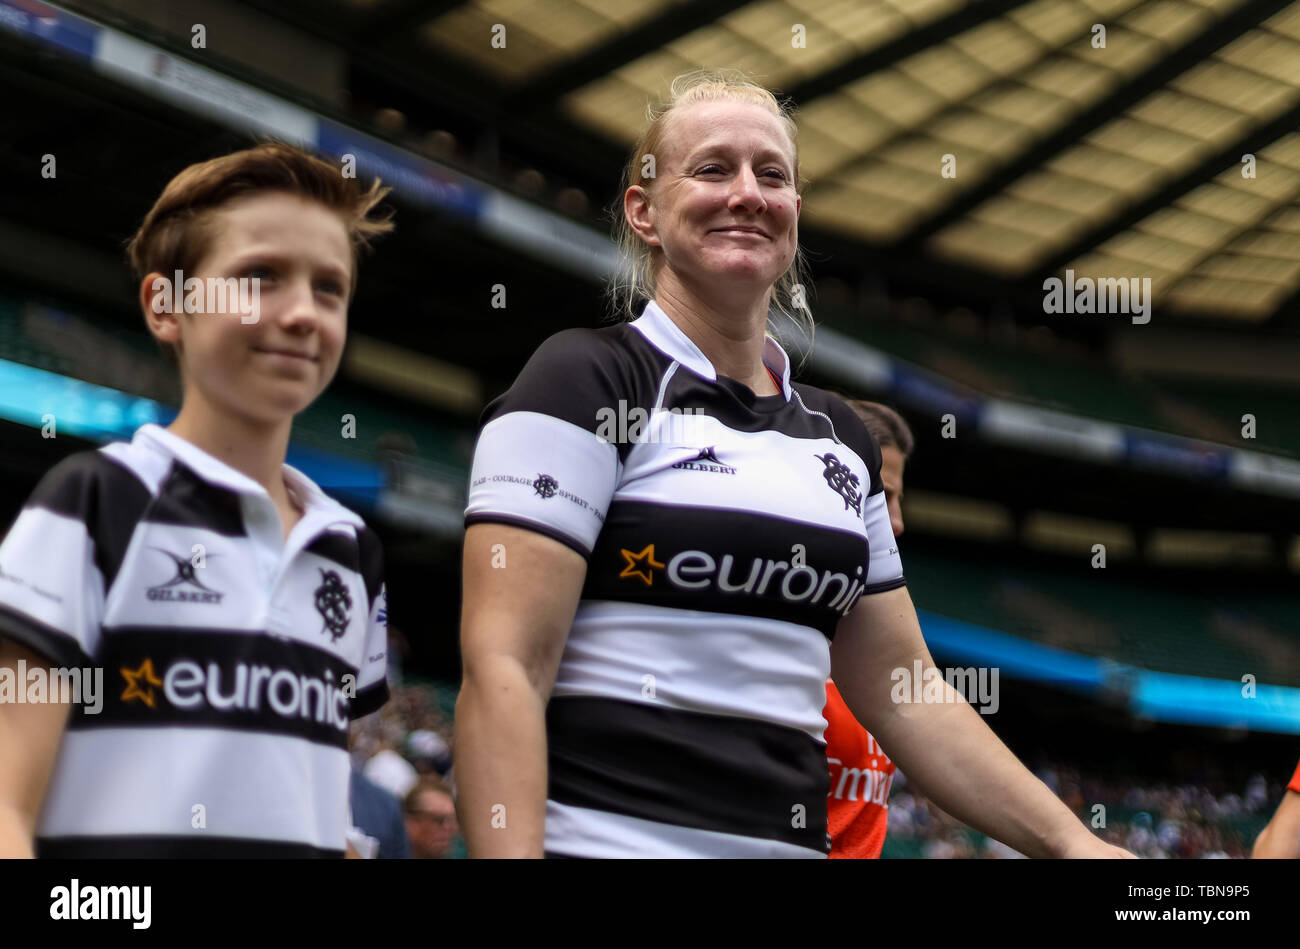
[[185, 587], [706, 460], [132, 903]]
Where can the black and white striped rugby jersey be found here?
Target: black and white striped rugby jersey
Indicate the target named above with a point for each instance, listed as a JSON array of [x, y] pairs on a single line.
[[233, 660], [725, 534]]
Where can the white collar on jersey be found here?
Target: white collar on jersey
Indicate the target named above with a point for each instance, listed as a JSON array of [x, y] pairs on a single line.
[[217, 472], [665, 335]]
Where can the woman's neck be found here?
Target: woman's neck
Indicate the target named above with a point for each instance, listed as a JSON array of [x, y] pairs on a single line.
[[731, 339]]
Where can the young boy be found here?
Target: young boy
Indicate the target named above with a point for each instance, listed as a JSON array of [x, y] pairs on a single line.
[[235, 613]]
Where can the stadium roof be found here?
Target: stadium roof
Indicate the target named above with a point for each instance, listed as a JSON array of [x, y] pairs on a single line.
[[1122, 160]]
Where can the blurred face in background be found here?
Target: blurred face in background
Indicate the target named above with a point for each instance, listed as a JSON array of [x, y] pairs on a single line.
[[891, 476], [431, 825]]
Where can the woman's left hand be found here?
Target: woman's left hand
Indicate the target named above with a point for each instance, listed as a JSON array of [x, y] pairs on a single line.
[[1085, 846]]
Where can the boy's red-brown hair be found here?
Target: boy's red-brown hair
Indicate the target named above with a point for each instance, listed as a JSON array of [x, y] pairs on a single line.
[[176, 233]]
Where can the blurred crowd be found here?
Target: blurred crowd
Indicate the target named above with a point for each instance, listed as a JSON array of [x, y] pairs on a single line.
[[402, 797], [1154, 821], [401, 764]]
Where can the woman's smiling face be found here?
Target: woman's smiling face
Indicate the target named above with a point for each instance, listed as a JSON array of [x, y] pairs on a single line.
[[724, 206]]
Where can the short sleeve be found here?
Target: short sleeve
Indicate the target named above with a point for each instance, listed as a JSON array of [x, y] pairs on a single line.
[[1295, 781], [52, 572], [884, 565], [372, 680], [541, 462]]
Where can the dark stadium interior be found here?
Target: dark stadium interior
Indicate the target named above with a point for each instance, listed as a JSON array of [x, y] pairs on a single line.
[[1001, 533]]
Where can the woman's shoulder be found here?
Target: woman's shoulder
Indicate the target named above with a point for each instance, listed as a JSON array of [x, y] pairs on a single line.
[[576, 372], [849, 428], [585, 345]]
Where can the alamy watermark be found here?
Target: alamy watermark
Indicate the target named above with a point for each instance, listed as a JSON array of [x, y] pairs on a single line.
[[214, 296], [40, 685], [133, 904], [1102, 295], [977, 686], [621, 425]]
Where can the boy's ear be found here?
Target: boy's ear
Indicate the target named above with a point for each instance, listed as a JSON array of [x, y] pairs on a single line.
[[156, 304]]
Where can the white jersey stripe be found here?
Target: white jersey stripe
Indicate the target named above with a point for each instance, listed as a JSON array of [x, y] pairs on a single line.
[[583, 832], [772, 676], [544, 470], [158, 793]]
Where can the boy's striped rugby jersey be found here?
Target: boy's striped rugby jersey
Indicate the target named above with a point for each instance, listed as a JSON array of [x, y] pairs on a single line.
[[725, 534], [233, 659]]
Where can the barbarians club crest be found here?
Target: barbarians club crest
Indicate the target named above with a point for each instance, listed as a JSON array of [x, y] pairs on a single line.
[[842, 481], [333, 601]]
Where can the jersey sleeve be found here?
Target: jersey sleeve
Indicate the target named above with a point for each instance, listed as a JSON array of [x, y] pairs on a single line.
[[884, 565], [51, 581], [372, 680], [543, 461], [1295, 781]]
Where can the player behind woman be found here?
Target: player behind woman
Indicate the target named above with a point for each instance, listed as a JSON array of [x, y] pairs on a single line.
[[648, 618], [234, 609], [861, 772]]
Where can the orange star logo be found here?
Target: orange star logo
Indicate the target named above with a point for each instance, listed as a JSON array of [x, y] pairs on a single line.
[[640, 565], [133, 679]]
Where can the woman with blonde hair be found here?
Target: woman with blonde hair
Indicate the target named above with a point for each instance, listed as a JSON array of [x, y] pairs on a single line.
[[670, 546]]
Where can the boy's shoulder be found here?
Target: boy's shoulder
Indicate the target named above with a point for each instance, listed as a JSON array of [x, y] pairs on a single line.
[[90, 483]]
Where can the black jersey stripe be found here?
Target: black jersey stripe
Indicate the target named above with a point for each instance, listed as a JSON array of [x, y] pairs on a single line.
[[623, 373], [619, 365], [228, 679], [739, 409], [186, 500], [371, 555], [158, 847], [885, 586], [109, 499], [711, 772], [58, 647], [338, 548], [370, 699], [724, 561], [491, 517]]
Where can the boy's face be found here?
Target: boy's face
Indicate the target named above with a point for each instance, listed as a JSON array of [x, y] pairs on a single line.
[[271, 369]]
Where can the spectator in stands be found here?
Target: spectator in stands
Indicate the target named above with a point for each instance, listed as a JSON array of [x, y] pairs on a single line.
[[379, 814], [376, 811], [430, 819], [428, 752], [392, 772], [1183, 821]]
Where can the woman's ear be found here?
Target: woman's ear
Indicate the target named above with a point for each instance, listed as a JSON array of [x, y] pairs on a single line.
[[640, 214]]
